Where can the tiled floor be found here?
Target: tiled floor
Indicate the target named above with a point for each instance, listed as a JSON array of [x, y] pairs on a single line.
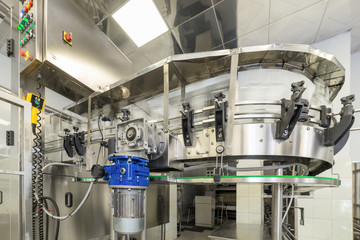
[[186, 235]]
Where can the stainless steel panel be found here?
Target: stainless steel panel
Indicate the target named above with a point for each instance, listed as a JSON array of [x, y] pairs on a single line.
[[199, 33], [92, 62], [92, 220], [157, 211], [168, 159], [179, 11]]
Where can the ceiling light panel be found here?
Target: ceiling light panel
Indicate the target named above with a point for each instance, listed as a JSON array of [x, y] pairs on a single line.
[[141, 20]]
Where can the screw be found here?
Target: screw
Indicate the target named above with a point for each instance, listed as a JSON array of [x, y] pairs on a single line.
[[207, 135], [261, 140], [212, 130], [308, 128], [212, 143], [188, 152], [261, 126], [291, 141], [197, 152]]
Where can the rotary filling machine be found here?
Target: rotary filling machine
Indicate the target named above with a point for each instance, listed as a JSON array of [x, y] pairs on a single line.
[[212, 110]]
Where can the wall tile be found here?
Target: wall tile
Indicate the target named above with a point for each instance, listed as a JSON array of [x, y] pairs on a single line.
[[322, 229]]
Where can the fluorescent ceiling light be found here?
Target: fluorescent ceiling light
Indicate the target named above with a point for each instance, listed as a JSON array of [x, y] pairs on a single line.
[[3, 122], [141, 20]]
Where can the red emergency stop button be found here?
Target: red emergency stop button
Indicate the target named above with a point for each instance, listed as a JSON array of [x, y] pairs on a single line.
[[22, 53], [31, 3], [68, 37], [26, 9]]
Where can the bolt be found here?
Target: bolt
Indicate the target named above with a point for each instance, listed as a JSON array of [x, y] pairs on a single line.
[[308, 128], [212, 130], [207, 151], [207, 135], [188, 152], [261, 140], [291, 141], [212, 143], [261, 126], [197, 136], [197, 152]]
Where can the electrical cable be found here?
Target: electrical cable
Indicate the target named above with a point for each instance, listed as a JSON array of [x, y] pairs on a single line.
[[37, 160], [61, 218], [57, 213]]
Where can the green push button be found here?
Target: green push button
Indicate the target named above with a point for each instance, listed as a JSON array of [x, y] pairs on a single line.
[[37, 102]]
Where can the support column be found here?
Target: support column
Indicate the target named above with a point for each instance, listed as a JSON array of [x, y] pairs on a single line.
[[277, 205]]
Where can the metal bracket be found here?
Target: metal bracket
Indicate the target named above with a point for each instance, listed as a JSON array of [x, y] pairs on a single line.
[[292, 111], [187, 123], [325, 118], [126, 113], [68, 143], [79, 141], [220, 116], [337, 136]]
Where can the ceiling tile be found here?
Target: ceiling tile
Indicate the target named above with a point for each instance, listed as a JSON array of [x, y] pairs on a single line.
[[161, 47], [283, 8], [257, 37], [175, 12], [239, 17], [198, 34], [139, 61], [300, 27], [339, 16]]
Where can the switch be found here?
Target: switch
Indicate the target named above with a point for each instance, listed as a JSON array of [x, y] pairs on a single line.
[[31, 3], [22, 53], [26, 9]]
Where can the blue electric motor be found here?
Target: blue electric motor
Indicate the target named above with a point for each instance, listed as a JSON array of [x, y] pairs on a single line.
[[127, 171]]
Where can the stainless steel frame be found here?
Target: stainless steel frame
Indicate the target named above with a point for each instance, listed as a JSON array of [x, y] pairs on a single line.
[[24, 163]]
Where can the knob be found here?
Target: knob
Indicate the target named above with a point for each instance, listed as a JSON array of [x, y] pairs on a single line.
[[97, 171], [68, 37]]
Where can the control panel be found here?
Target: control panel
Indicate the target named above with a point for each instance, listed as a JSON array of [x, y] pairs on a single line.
[[27, 29]]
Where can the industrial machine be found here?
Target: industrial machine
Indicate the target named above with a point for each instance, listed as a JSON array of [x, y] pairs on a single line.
[[139, 135]]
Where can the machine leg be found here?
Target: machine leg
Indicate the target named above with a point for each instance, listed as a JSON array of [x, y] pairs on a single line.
[[277, 205]]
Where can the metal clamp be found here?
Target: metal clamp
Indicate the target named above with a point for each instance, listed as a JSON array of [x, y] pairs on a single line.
[[220, 116], [187, 123], [68, 143], [292, 111], [79, 141], [338, 135]]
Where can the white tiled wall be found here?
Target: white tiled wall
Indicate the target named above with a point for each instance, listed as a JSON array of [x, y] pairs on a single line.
[[249, 207], [329, 214]]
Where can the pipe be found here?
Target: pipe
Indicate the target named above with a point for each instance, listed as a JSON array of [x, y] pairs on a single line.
[[277, 205]]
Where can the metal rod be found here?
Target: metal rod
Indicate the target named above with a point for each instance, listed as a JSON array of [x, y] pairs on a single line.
[[166, 98], [163, 230], [277, 204]]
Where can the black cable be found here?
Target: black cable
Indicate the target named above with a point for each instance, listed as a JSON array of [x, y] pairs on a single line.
[[57, 213]]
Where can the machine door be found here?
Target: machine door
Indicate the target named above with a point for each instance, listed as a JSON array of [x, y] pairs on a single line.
[[15, 167]]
